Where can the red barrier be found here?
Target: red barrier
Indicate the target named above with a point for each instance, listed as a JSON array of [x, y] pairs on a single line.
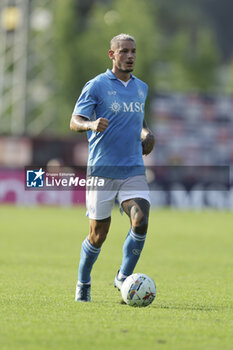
[[12, 191]]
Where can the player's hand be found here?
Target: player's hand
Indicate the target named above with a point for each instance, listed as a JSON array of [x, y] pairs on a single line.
[[148, 144], [100, 125]]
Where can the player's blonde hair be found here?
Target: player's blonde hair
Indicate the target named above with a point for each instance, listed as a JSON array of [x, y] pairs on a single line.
[[121, 37]]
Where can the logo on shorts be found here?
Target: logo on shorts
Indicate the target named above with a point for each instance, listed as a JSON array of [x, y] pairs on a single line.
[[35, 178], [92, 209]]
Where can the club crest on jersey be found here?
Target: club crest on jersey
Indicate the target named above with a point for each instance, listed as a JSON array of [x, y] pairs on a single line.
[[140, 93]]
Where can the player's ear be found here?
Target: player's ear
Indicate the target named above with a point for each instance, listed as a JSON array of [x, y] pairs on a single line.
[[111, 54]]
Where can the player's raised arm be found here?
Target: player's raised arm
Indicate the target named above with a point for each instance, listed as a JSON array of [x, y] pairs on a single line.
[[148, 139], [79, 123]]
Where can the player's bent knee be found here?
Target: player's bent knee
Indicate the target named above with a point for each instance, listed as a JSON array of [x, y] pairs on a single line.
[[140, 225]]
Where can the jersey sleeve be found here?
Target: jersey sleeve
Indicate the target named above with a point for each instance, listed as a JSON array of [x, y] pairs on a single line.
[[87, 101]]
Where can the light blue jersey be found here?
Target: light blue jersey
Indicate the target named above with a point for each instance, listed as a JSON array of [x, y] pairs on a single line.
[[116, 152]]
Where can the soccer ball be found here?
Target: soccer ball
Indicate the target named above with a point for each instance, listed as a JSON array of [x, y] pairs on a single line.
[[138, 290]]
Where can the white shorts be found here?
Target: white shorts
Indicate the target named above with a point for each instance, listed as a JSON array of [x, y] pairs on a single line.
[[100, 201]]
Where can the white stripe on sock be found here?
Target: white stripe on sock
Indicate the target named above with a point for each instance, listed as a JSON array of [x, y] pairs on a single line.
[[90, 247], [137, 237]]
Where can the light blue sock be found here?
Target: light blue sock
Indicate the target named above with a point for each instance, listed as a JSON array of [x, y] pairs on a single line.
[[131, 252], [88, 256]]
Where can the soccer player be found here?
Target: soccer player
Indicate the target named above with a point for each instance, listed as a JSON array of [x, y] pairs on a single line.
[[111, 109]]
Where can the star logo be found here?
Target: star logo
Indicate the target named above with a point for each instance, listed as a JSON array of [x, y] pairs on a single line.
[[115, 107], [39, 174], [35, 178]]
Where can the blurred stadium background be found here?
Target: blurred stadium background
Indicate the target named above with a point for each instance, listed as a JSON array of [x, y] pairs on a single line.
[[50, 48]]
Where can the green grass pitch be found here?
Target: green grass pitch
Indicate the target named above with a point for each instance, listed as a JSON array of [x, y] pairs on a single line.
[[188, 254]]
